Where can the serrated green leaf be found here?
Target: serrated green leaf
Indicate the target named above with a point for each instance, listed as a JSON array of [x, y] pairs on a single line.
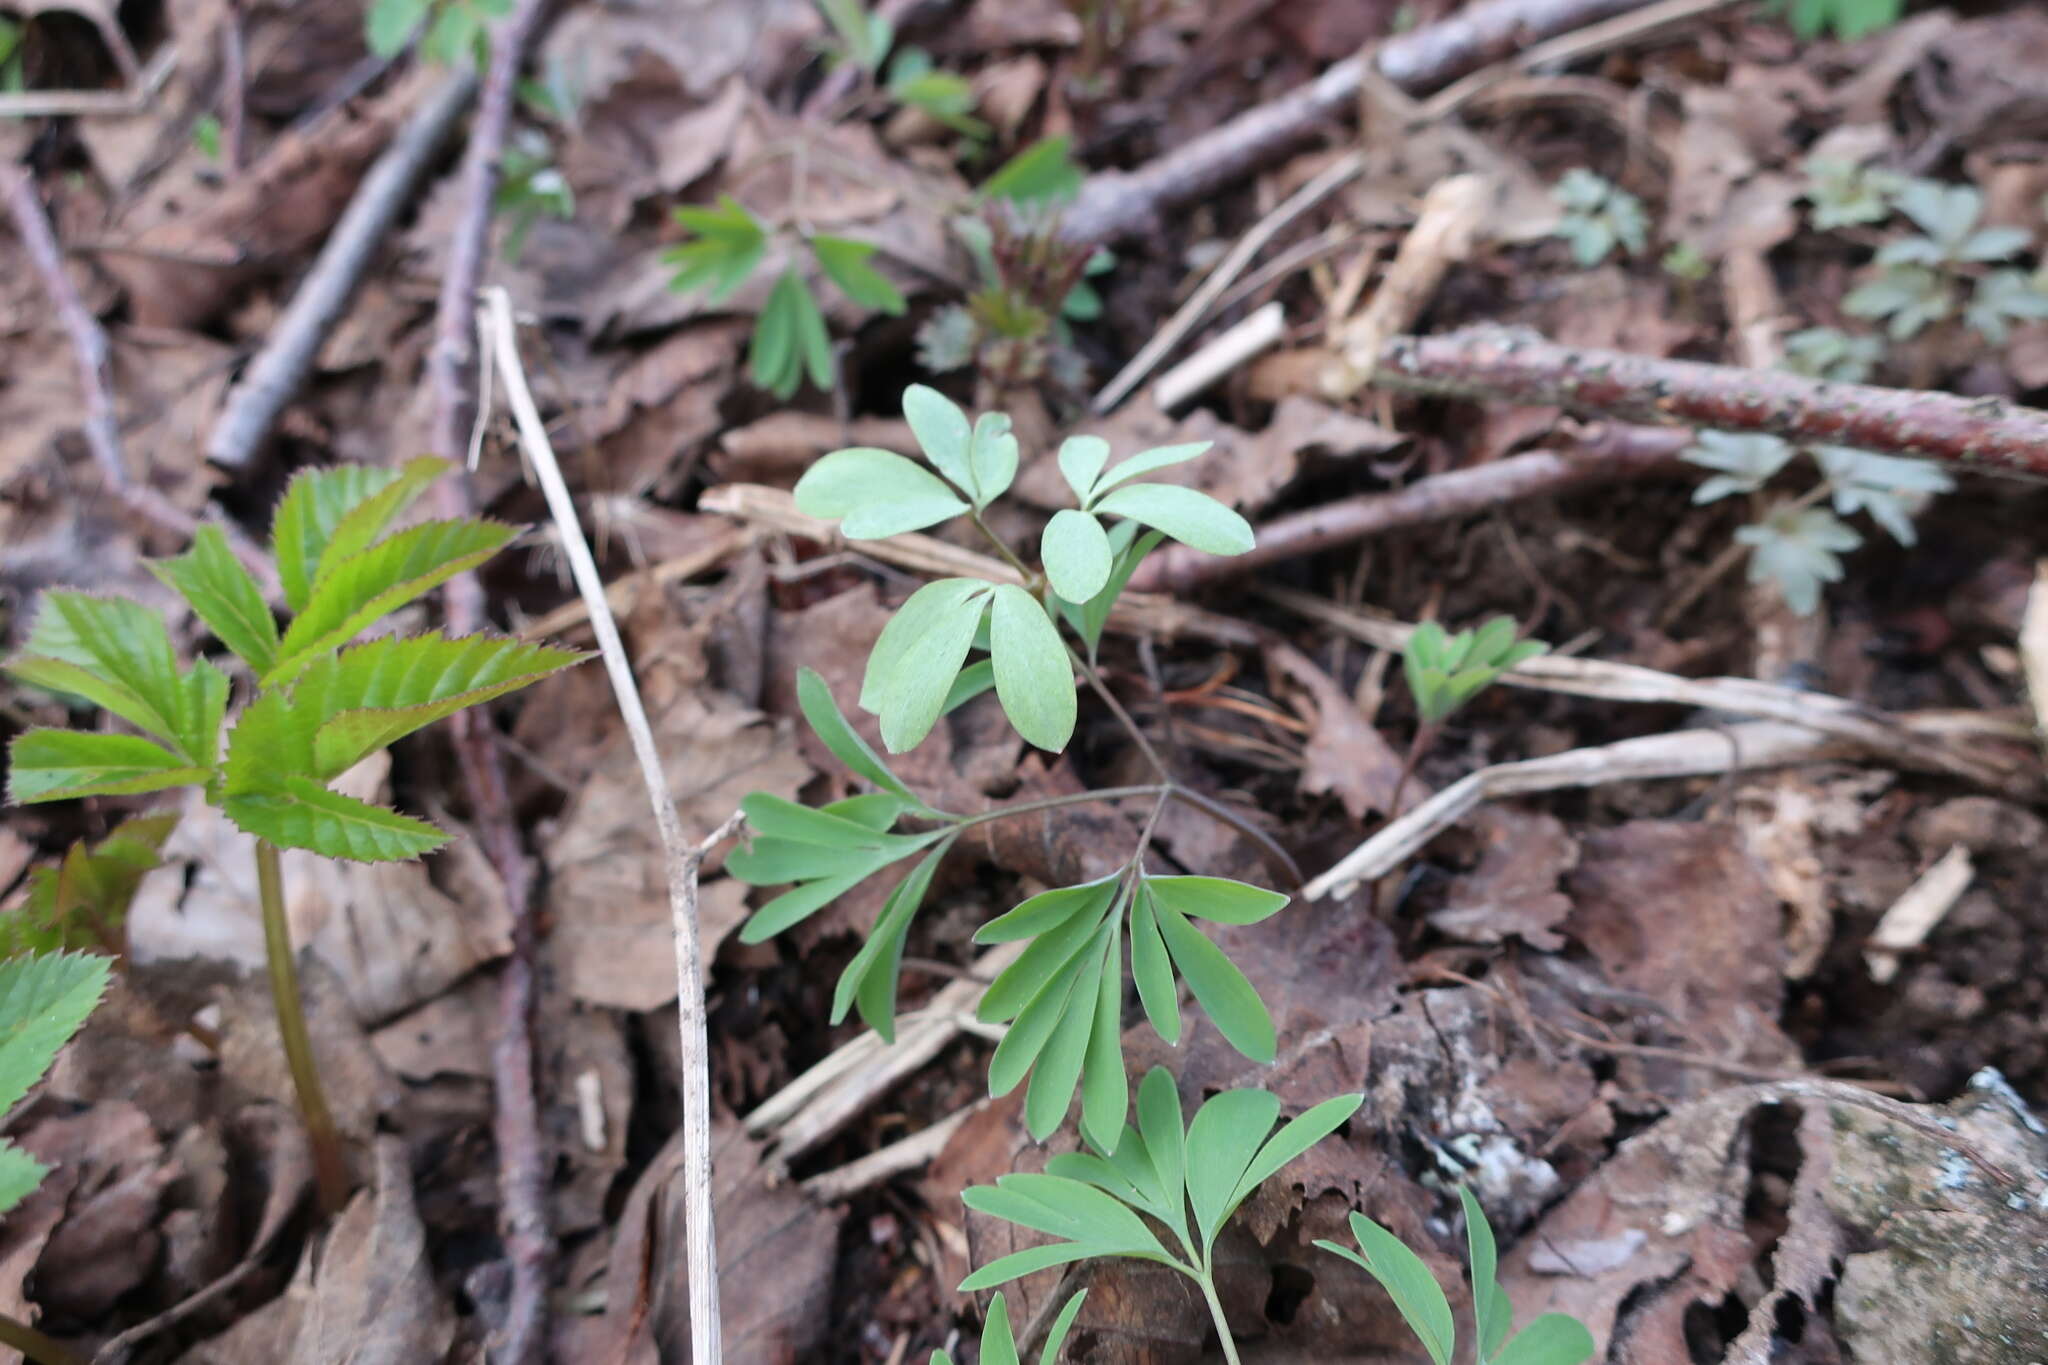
[[874, 493], [1219, 987], [364, 521], [943, 433], [81, 903], [920, 659], [1296, 1136], [845, 262], [1049, 909], [44, 1000], [1034, 677], [1147, 462], [366, 697], [224, 595], [1552, 1339], [1152, 972], [1075, 551], [1193, 518], [829, 724], [352, 593], [1407, 1281], [1224, 1137], [119, 655], [20, 1174], [991, 457], [1043, 172], [874, 969], [297, 812], [313, 505], [1081, 461], [56, 765], [1217, 898]]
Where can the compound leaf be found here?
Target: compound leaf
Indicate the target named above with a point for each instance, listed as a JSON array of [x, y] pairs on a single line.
[[297, 812], [1152, 971], [919, 653], [1150, 461], [1034, 677], [1190, 517], [44, 999], [225, 596], [1224, 1137], [830, 725], [991, 457], [1219, 987], [1296, 1136], [1552, 1339], [55, 765], [872, 973], [115, 653], [313, 505], [1081, 461], [845, 262], [1048, 910], [1407, 1281], [874, 493]]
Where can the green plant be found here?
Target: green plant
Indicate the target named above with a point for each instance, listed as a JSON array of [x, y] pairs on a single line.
[[1065, 992], [454, 29], [1847, 19], [1552, 1339], [1445, 671], [82, 902], [865, 40], [1847, 193], [1684, 263], [206, 134], [790, 340], [13, 70], [1794, 543], [1824, 353], [530, 188], [1599, 216], [1919, 279], [319, 702], [44, 1000], [1187, 1181], [999, 1347]]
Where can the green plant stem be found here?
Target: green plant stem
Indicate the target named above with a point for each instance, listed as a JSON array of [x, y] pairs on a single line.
[[1277, 857], [1003, 548], [1116, 708], [1223, 1336], [330, 1170], [34, 1346], [1071, 799]]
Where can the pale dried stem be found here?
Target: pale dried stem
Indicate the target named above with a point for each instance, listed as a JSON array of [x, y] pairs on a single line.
[[681, 858]]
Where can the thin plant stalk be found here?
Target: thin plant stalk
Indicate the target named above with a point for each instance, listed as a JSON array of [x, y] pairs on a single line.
[[35, 1346], [330, 1169], [1223, 1336]]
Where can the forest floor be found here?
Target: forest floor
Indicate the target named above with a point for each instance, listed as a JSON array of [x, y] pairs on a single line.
[[1644, 1008]]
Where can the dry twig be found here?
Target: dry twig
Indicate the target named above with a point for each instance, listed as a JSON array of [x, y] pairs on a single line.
[[682, 859], [1509, 365]]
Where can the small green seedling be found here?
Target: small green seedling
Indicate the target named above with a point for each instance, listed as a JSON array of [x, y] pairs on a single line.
[[1552, 1339], [1824, 353], [82, 903], [13, 70], [790, 338], [319, 702], [865, 39], [1794, 544], [1446, 671], [44, 1000], [1848, 193], [1919, 279], [1186, 1181], [1598, 217], [456, 30], [1846, 19], [999, 1347], [530, 188], [1684, 263]]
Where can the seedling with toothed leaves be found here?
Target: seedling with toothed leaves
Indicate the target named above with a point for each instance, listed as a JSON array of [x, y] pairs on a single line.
[[1115, 1200], [81, 904], [1445, 671], [1793, 543], [318, 702], [1552, 1339], [1064, 995]]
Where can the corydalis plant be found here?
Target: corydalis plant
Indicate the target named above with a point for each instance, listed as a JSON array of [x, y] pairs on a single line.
[[999, 1344], [1065, 992], [319, 703], [1187, 1181]]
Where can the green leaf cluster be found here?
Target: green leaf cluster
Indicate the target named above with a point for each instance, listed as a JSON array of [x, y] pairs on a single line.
[[456, 30], [1920, 280], [1598, 217], [1552, 1339], [1849, 194], [44, 999], [790, 339], [1824, 353], [1043, 174], [999, 1346], [1846, 19], [321, 704], [1079, 559], [1187, 1181], [82, 903], [1445, 671], [530, 188]]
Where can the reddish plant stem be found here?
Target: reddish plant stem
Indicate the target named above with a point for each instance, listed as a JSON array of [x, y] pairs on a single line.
[[1607, 455], [515, 1126], [1124, 203], [1506, 365]]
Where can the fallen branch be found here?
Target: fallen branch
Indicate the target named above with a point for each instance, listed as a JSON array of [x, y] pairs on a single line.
[[522, 1149], [682, 861], [1117, 204], [1608, 455], [1507, 365], [275, 375], [102, 423]]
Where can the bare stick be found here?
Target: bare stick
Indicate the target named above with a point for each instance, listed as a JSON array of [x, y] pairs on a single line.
[[274, 376], [1122, 203], [449, 362], [1506, 365], [1444, 233], [139, 95], [1610, 456], [682, 862], [1222, 355]]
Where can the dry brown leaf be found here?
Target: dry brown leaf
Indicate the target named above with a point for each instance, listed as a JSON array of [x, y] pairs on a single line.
[[1514, 889], [371, 1297], [106, 1242]]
